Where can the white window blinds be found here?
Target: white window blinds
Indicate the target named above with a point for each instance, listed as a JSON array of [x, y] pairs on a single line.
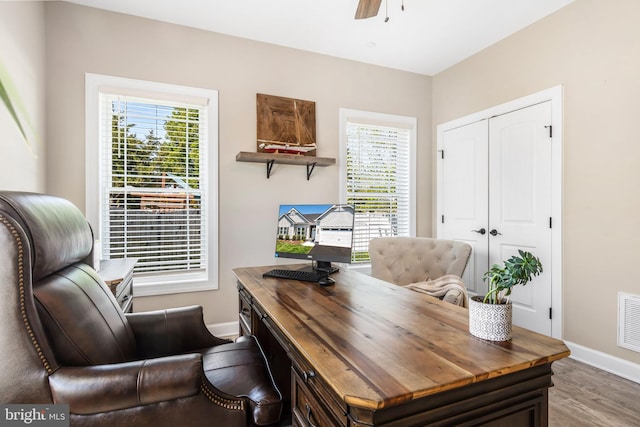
[[377, 183], [153, 169]]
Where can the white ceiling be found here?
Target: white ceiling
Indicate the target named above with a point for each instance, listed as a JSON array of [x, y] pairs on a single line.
[[428, 37]]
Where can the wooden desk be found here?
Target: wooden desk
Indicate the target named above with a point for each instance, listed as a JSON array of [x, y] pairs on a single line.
[[364, 352]]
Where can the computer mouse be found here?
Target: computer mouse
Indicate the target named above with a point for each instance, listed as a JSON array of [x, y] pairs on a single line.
[[326, 281]]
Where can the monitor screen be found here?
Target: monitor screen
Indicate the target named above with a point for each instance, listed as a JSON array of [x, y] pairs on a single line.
[[322, 233]]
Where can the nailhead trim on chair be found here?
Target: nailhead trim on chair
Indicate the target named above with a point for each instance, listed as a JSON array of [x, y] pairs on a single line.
[[237, 405], [23, 310]]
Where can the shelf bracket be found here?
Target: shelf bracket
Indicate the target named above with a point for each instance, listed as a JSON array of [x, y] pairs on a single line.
[[310, 169], [269, 166]]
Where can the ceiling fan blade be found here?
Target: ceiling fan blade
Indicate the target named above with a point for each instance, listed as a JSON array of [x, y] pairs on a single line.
[[367, 8]]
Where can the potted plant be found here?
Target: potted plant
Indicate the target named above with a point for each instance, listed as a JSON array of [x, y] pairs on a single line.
[[490, 317]]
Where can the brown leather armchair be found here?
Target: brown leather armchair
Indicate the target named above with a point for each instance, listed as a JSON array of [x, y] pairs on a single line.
[[64, 339]]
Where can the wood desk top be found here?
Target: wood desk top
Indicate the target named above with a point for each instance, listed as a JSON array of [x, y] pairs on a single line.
[[378, 345]]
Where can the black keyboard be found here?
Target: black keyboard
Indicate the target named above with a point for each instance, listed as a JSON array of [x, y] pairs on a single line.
[[305, 276]]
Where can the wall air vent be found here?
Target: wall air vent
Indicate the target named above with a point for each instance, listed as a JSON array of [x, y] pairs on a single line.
[[629, 321]]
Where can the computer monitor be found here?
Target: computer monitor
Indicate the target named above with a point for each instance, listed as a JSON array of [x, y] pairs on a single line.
[[322, 233]]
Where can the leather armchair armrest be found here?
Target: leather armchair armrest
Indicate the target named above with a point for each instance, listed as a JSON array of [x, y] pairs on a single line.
[[165, 332], [103, 388]]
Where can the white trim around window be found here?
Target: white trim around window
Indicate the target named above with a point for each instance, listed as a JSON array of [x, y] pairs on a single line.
[[95, 85], [378, 175]]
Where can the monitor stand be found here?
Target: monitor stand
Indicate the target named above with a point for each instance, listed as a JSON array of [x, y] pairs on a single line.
[[324, 267]]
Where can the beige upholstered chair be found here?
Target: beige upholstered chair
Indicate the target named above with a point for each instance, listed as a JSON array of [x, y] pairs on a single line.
[[407, 260]]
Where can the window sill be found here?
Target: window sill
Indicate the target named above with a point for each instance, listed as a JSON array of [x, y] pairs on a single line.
[[175, 287]]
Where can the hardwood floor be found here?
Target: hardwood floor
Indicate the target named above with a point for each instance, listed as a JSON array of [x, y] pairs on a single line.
[[586, 396]]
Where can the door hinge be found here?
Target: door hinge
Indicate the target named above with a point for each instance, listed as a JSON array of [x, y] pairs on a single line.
[[441, 154], [550, 222], [550, 127], [442, 219], [550, 314]]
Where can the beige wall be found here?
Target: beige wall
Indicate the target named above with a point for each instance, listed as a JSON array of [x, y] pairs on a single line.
[[589, 47], [22, 59], [81, 40]]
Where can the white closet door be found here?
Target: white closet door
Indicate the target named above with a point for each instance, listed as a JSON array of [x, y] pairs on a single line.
[[464, 198], [520, 204]]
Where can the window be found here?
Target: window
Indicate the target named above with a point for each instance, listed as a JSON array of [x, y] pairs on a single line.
[[378, 175], [152, 145]]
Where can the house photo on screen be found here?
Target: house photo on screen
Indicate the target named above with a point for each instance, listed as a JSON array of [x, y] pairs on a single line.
[[315, 232]]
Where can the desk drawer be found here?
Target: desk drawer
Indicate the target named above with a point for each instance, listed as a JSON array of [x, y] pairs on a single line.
[[308, 409], [126, 283], [125, 297], [245, 315]]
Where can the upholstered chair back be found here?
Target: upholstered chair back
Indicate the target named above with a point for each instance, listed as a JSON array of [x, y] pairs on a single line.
[[64, 339], [101, 335], [54, 310], [405, 260]]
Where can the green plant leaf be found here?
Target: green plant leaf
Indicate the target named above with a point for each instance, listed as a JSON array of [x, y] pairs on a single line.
[[7, 102], [517, 270]]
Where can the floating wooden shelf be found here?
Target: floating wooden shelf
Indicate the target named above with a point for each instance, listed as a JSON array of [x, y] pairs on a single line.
[[286, 159]]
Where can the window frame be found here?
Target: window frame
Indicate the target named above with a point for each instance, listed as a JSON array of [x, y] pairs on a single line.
[[379, 119], [154, 284]]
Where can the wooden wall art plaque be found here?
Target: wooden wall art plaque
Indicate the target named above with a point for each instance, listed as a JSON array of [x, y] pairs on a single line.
[[286, 125]]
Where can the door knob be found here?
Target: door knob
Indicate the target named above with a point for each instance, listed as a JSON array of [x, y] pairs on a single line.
[[494, 232], [481, 231]]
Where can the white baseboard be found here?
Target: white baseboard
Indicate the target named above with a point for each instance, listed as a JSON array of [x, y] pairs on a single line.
[[224, 330], [606, 362]]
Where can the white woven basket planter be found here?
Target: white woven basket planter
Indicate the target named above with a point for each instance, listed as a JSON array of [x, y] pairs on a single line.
[[490, 321]]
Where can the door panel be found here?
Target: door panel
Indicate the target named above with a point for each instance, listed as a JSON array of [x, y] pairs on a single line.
[[497, 176], [465, 180], [520, 204]]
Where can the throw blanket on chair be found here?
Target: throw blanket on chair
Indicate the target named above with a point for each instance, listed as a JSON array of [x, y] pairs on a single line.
[[441, 286]]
